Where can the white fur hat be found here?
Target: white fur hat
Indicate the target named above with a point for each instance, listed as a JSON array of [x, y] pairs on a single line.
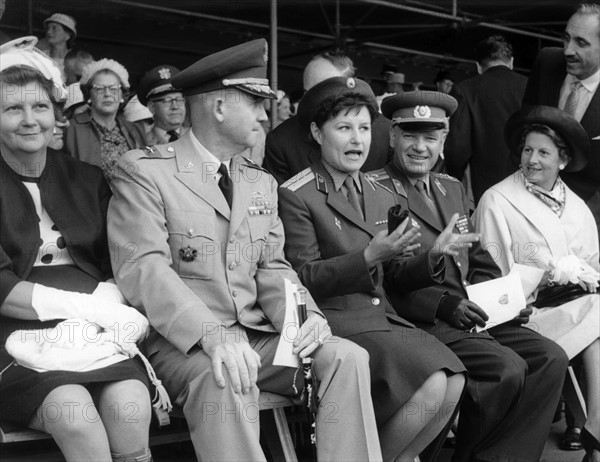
[[105, 64]]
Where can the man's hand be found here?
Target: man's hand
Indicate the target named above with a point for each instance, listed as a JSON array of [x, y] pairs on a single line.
[[241, 361], [385, 246], [460, 312], [450, 243], [313, 333], [522, 318]]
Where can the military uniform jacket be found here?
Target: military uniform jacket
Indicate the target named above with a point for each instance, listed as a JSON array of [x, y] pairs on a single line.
[[325, 241], [470, 267], [186, 260]]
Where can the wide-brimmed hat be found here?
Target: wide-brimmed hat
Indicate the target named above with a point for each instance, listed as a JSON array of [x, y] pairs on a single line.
[[332, 88], [22, 52], [64, 20], [571, 131]]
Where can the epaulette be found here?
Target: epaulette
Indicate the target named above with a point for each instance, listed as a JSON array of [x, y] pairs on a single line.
[[299, 180], [378, 175], [250, 163], [445, 177]]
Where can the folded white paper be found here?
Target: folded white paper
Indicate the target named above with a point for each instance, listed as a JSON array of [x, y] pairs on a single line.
[[502, 299], [530, 276], [291, 327]]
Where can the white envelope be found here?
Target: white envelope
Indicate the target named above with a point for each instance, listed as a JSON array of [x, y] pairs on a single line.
[[502, 299], [291, 326]]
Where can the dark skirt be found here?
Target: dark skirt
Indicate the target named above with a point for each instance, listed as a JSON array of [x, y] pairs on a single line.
[[401, 360], [23, 390]]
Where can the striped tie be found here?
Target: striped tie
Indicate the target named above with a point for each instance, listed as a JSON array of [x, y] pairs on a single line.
[[573, 99]]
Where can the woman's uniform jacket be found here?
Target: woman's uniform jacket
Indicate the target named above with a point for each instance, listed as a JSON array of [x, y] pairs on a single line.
[[329, 239], [83, 142], [516, 227]]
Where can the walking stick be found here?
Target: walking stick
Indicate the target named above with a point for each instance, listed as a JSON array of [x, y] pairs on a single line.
[[309, 393]]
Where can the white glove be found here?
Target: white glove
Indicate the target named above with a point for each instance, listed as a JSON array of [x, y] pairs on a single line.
[[126, 322], [572, 269], [110, 292]]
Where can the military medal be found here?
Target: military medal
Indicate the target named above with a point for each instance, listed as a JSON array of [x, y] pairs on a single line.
[[188, 254]]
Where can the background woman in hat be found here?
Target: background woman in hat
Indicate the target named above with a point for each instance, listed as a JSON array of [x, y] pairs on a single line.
[[534, 219], [55, 265], [61, 31], [342, 251], [102, 134]]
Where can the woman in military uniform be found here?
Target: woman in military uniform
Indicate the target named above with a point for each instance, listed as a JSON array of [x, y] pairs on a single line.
[[337, 240]]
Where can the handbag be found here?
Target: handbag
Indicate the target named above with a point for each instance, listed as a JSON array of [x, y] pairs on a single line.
[[552, 296], [78, 345]]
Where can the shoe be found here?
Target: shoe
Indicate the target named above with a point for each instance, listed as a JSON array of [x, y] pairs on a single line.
[[590, 444], [570, 440]]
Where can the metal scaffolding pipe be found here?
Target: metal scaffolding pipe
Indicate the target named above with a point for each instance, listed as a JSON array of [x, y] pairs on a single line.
[[459, 19], [273, 61], [289, 30]]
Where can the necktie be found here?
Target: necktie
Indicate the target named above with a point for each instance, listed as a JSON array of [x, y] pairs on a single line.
[[173, 135], [420, 187], [225, 184], [573, 99], [353, 195]]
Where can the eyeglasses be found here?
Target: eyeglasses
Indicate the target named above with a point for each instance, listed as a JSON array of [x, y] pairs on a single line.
[[101, 89], [169, 101]]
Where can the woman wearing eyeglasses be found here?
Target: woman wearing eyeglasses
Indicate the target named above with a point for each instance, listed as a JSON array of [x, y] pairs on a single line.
[[101, 134]]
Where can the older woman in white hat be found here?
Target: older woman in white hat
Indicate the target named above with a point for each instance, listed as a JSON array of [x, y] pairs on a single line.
[[55, 277], [532, 218], [102, 134]]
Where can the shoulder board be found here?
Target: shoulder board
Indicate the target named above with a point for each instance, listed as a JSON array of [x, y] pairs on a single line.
[[445, 177], [377, 175], [299, 180], [251, 164]]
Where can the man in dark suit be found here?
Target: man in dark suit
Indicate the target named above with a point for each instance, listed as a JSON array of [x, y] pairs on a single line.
[[553, 77], [484, 104], [510, 367], [289, 148]]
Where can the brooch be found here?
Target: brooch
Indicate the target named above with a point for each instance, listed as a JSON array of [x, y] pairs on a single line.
[[188, 254]]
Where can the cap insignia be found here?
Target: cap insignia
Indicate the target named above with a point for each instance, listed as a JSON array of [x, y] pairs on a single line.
[[422, 112], [164, 73], [351, 83]]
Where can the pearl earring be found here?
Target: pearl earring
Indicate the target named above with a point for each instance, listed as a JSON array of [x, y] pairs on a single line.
[[561, 167], [89, 101]]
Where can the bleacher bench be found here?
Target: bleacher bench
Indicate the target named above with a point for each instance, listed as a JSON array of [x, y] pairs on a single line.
[[274, 429]]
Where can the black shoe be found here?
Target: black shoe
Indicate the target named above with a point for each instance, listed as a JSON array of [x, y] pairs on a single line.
[[571, 439]]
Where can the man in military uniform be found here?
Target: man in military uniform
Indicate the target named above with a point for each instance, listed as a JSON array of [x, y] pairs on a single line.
[[166, 104], [198, 247], [503, 417]]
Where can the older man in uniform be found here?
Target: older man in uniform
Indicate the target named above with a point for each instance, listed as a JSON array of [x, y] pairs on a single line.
[[510, 367], [199, 249], [166, 104]]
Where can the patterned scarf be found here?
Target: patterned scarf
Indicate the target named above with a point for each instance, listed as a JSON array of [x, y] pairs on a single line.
[[113, 145], [554, 199]]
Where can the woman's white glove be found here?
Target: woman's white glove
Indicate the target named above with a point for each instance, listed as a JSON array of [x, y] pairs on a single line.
[[574, 270], [127, 323], [109, 292]]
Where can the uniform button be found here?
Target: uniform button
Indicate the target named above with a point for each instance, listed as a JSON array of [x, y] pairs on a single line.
[[232, 240], [232, 266], [234, 292], [458, 263], [464, 283], [375, 301], [191, 232]]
